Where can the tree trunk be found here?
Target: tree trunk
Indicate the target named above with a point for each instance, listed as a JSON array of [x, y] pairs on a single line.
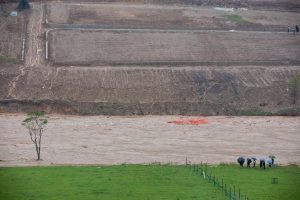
[[40, 140], [39, 156], [37, 151]]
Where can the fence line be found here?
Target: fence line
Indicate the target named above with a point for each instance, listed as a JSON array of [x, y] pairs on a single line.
[[232, 193]]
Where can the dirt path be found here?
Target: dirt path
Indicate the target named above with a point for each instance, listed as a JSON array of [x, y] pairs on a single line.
[[143, 30], [115, 140], [34, 54]]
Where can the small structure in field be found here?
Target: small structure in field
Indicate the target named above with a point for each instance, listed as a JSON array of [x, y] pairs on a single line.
[[14, 13]]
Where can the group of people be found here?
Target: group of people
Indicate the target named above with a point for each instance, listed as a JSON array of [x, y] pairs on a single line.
[[262, 161], [293, 30]]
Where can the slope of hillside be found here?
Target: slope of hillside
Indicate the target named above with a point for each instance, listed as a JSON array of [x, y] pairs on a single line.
[[222, 73], [164, 90]]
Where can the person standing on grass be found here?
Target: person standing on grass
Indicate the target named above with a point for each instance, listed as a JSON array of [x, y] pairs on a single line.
[[241, 161], [249, 161], [269, 161], [262, 163], [254, 161], [272, 157]]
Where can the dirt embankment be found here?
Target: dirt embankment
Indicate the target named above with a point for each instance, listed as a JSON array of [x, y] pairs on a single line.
[[166, 90]]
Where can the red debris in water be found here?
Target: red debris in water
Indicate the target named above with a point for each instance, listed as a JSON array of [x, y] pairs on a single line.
[[189, 121]]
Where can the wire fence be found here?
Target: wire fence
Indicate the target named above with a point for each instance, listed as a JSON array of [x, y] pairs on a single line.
[[230, 192]]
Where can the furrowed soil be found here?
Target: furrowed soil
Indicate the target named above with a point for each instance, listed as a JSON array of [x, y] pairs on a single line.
[[288, 5], [96, 48], [115, 140], [166, 17], [125, 90]]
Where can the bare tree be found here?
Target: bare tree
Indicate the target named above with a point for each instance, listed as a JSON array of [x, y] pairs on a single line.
[[35, 123]]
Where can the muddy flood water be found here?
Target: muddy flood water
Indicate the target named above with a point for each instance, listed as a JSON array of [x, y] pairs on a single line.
[[80, 140]]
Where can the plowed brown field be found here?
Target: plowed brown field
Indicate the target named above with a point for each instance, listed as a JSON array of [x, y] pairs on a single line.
[[101, 47]]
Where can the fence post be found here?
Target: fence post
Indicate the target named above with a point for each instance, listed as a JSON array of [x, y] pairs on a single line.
[[229, 193], [201, 167], [234, 191], [186, 161], [222, 186]]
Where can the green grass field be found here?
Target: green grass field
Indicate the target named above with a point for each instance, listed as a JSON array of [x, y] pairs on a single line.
[[235, 18], [136, 182], [257, 184]]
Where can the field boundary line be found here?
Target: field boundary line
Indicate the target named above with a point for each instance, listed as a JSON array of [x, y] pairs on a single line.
[[54, 26]]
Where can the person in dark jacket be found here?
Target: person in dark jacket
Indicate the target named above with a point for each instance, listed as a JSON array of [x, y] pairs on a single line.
[[262, 163], [297, 28], [241, 161], [249, 161]]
